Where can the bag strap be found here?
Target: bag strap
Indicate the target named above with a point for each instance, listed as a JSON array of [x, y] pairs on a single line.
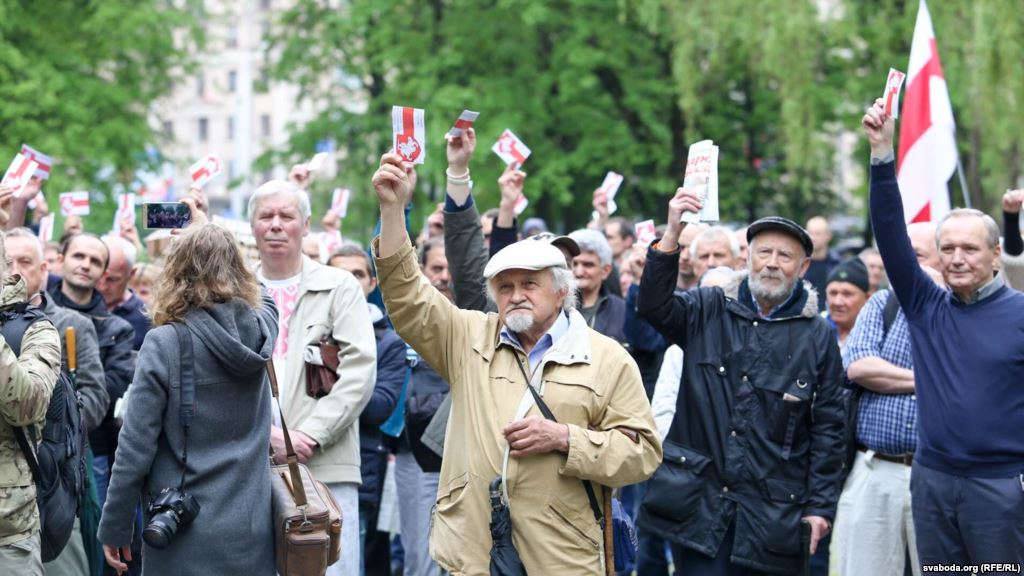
[[187, 391], [587, 484], [16, 321], [298, 489], [889, 313]]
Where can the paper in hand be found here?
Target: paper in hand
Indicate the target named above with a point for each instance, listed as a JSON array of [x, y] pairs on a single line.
[[892, 92], [409, 131], [74, 203], [645, 232], [464, 122], [339, 201], [205, 170], [521, 204], [19, 173], [511, 149], [318, 163], [702, 178], [610, 187]]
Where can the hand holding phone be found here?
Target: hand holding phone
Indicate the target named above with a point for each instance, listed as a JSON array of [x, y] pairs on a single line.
[[166, 215]]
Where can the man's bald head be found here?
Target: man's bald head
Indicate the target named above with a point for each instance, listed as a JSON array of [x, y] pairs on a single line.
[[821, 236], [922, 238]]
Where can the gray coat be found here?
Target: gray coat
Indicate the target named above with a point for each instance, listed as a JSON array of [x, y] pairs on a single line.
[[228, 446], [89, 379]]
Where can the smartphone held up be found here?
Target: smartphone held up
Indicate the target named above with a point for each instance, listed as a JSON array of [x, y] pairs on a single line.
[[166, 215]]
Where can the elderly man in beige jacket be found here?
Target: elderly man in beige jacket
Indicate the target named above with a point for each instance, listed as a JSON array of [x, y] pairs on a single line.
[[604, 431], [313, 301]]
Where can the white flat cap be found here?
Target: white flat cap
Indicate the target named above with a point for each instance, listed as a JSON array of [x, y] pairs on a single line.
[[530, 254]]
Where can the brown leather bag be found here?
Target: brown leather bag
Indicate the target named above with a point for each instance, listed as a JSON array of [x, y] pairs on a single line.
[[320, 379], [307, 519]]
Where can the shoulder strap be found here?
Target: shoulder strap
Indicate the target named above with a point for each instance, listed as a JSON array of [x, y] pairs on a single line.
[[16, 321], [889, 313], [187, 388], [595, 506], [298, 489]]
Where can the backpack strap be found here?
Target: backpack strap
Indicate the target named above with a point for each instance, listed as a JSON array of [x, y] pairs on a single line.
[[16, 321], [889, 313]]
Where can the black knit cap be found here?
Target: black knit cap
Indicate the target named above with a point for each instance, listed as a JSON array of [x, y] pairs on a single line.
[[784, 225], [852, 271]]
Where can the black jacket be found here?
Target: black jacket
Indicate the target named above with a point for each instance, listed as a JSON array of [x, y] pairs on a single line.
[[116, 338], [610, 317], [391, 369], [134, 312], [758, 433]]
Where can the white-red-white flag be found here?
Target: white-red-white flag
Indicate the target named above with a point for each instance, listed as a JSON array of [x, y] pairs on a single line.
[[463, 123], [125, 210], [46, 228], [339, 201], [511, 149], [18, 174], [74, 203], [410, 132], [205, 170], [645, 232], [44, 162], [927, 155], [521, 203]]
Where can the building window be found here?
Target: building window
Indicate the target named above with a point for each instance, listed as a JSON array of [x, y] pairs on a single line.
[[200, 86], [231, 127], [233, 37], [232, 81], [204, 129], [265, 125], [169, 129], [232, 169]]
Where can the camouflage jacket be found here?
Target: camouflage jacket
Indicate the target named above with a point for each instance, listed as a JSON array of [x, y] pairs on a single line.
[[25, 387]]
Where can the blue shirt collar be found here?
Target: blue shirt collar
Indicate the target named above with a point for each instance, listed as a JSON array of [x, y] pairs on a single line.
[[546, 342]]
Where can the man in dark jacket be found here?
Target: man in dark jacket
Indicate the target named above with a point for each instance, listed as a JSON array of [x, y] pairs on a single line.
[[113, 286], [757, 441], [83, 262], [387, 393]]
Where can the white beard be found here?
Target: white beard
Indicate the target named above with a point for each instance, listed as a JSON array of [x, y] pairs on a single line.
[[519, 321], [763, 293]]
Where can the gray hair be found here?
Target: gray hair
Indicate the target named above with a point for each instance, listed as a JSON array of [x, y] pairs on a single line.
[[593, 241], [991, 228], [127, 248], [563, 280], [721, 276], [23, 232], [712, 233], [274, 187]]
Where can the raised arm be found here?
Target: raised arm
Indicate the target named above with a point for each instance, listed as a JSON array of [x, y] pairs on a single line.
[[463, 236], [910, 284]]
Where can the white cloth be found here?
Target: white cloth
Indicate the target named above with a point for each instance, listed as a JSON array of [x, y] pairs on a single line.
[[347, 495], [666, 390], [417, 492], [874, 527]]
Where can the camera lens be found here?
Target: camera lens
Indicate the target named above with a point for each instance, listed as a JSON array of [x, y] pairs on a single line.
[[160, 530]]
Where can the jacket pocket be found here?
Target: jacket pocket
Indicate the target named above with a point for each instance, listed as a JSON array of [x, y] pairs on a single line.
[[448, 520], [786, 403], [782, 516], [675, 490], [581, 523], [571, 399]]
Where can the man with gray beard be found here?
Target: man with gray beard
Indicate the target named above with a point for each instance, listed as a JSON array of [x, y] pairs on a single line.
[[756, 445]]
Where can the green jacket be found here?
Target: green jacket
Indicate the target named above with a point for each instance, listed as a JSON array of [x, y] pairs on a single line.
[[25, 387]]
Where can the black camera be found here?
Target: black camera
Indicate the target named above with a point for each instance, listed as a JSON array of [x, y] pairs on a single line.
[[172, 509]]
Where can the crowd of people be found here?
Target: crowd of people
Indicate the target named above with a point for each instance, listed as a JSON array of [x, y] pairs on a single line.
[[508, 396]]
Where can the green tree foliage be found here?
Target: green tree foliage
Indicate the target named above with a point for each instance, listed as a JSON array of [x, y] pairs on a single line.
[[77, 81], [593, 86]]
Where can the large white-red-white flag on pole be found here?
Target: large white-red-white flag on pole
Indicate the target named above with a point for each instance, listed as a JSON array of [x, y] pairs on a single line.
[[927, 155]]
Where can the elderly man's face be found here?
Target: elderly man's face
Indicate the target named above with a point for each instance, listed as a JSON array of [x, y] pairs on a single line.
[[968, 261], [844, 303], [114, 281], [712, 253], [821, 235], [527, 299], [589, 272], [876, 269], [777, 262], [23, 254], [685, 238], [279, 226], [741, 239]]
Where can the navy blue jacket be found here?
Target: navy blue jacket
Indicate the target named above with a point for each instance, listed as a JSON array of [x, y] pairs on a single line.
[[134, 311], [391, 368]]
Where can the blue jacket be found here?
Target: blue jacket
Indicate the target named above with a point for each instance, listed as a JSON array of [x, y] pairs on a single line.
[[134, 312], [391, 369]]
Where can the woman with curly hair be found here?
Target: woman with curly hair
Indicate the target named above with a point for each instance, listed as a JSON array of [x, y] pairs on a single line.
[[206, 288]]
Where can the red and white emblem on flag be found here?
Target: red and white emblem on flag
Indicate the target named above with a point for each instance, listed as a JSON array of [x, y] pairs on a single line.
[[521, 204], [464, 122], [205, 170], [19, 173], [409, 131], [45, 163], [339, 201], [927, 155], [74, 203], [645, 232], [46, 228], [511, 149]]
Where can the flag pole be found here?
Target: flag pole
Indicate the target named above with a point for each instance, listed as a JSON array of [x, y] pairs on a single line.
[[963, 182]]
